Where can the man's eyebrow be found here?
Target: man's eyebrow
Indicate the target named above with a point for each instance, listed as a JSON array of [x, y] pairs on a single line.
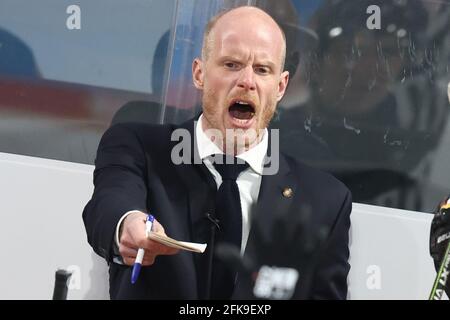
[[228, 57]]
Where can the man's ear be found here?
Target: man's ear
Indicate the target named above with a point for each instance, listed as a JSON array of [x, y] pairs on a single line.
[[282, 84], [197, 73]]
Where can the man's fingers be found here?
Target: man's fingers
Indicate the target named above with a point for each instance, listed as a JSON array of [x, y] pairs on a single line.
[[150, 246], [127, 251], [148, 260], [133, 238], [159, 248], [128, 261], [152, 249], [170, 250], [158, 228], [129, 256]]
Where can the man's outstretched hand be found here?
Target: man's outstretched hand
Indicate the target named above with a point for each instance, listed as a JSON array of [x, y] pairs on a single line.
[[133, 237]]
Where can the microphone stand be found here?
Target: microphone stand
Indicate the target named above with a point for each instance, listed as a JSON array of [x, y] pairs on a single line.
[[61, 284], [214, 226]]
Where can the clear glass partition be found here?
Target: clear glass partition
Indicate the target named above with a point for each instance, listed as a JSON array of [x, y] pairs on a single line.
[[367, 99]]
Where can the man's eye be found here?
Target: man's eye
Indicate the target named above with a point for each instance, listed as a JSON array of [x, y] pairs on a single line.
[[262, 70], [231, 65]]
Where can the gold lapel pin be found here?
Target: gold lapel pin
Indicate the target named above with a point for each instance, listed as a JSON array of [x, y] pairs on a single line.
[[287, 192]]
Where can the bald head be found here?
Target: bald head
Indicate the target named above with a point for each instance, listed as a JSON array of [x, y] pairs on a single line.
[[248, 18]]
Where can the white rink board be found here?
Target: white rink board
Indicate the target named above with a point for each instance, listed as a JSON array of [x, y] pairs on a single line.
[[42, 230]]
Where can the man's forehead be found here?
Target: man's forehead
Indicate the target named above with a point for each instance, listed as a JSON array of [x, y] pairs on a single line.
[[235, 43], [246, 34]]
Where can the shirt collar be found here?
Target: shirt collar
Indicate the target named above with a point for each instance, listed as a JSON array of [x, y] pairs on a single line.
[[254, 156]]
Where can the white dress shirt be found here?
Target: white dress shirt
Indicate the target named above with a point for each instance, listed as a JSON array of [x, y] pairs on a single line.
[[248, 181]]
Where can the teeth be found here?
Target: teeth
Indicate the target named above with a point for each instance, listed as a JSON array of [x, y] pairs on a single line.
[[242, 121], [242, 102]]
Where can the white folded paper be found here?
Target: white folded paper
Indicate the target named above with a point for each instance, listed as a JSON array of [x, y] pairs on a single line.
[[189, 246]]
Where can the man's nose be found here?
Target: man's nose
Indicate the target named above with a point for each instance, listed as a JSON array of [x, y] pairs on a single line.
[[247, 79]]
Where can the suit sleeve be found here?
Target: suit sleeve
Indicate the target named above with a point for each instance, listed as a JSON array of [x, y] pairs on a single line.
[[332, 267], [119, 186]]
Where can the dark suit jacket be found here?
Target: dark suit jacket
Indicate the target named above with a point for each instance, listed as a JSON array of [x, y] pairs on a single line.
[[134, 170]]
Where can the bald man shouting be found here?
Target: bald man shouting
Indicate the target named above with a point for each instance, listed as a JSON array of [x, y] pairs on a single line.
[[220, 179]]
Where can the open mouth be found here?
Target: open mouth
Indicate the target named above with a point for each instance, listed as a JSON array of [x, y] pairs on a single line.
[[241, 110]]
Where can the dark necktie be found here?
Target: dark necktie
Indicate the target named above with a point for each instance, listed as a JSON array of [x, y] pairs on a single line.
[[229, 214]]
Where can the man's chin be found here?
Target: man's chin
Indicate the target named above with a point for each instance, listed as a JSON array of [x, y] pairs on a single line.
[[240, 140]]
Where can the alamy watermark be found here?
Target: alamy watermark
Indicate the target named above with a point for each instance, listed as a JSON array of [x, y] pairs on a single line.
[[75, 278], [374, 20], [373, 281], [186, 151], [73, 21]]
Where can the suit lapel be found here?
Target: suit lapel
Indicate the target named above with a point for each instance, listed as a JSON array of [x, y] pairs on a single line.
[[276, 195], [271, 204]]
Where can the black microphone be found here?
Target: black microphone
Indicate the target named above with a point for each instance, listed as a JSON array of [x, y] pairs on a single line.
[[61, 284], [231, 255]]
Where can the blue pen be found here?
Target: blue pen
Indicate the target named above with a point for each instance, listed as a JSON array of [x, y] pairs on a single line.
[[140, 255]]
